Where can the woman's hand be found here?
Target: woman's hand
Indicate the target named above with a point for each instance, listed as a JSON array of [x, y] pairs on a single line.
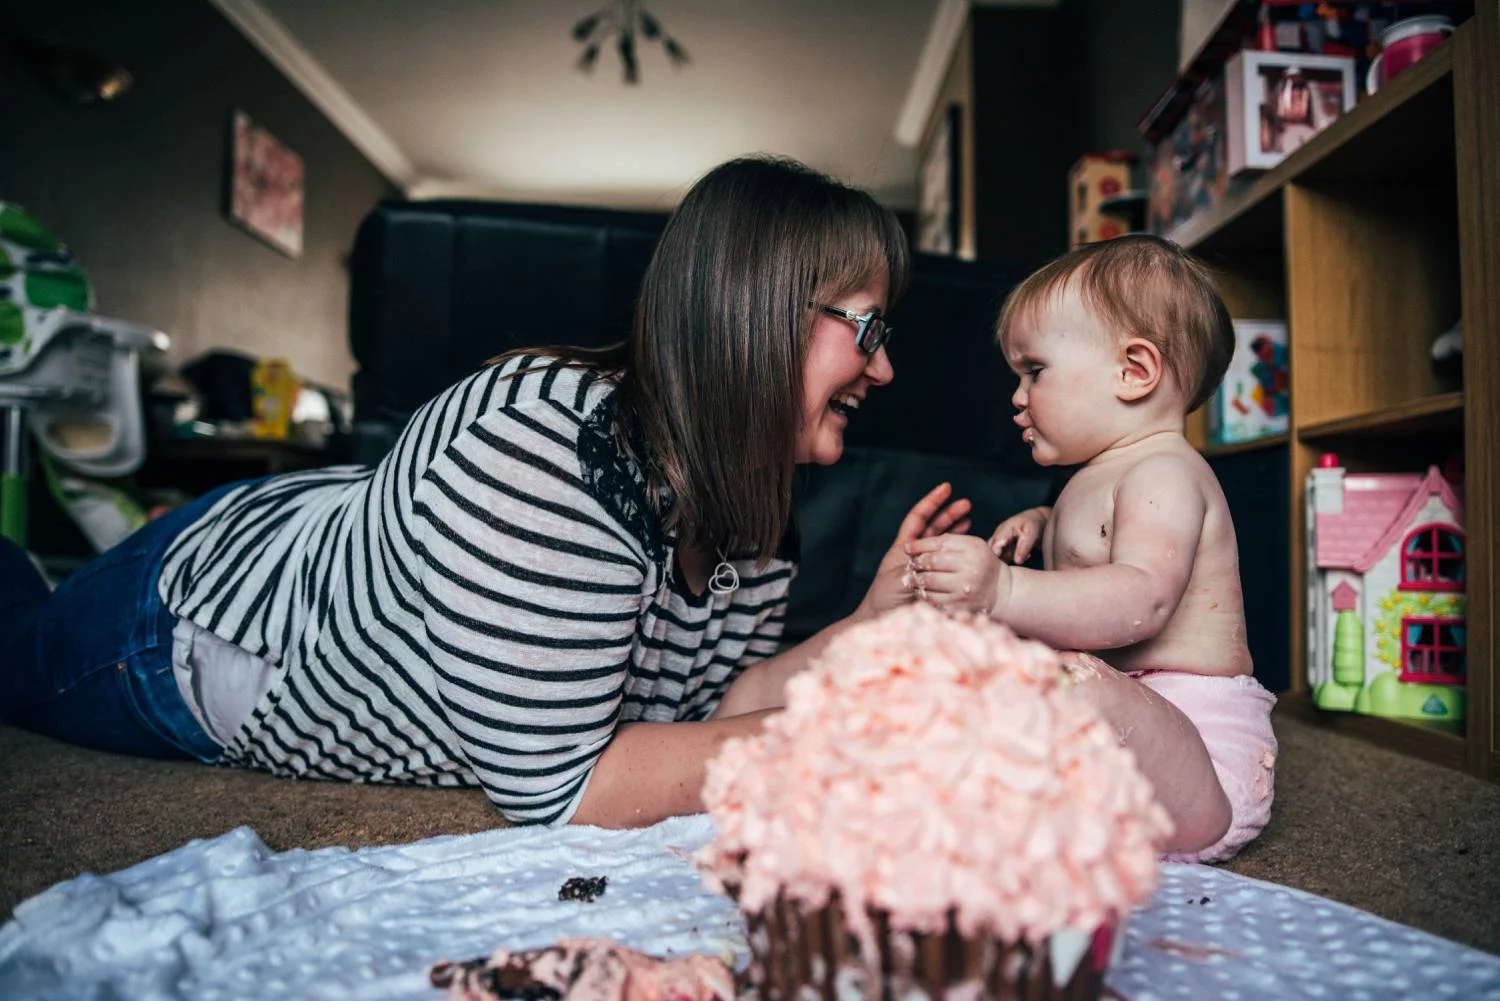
[[932, 516], [958, 573], [1019, 534]]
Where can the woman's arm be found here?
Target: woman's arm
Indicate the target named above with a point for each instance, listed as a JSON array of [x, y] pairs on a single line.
[[531, 595], [762, 685], [652, 771]]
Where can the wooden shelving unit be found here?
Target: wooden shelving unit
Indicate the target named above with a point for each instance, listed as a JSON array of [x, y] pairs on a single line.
[[1443, 412], [1398, 131], [1441, 743], [1369, 241]]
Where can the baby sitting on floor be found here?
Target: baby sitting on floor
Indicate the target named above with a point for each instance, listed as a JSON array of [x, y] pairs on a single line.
[[1115, 343]]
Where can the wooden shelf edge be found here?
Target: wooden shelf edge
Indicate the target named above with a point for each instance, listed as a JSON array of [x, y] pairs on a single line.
[[1412, 738], [1193, 233], [1423, 74], [1411, 415], [1235, 448], [1126, 200]]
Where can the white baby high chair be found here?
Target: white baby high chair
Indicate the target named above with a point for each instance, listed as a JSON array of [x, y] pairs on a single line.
[[74, 382]]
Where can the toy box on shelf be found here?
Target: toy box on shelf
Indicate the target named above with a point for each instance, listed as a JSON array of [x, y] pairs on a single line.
[[1100, 198], [1189, 164], [1276, 101], [1254, 399], [1269, 76], [1385, 593]]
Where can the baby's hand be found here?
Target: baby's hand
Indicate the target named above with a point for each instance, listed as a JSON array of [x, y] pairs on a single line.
[[957, 572], [894, 582], [1019, 534]]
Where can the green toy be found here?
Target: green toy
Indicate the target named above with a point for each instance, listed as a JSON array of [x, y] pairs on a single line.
[[68, 378], [36, 271]]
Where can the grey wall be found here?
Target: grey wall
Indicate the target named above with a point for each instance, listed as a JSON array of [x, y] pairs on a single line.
[[1025, 136], [1120, 56], [136, 187], [1051, 84]]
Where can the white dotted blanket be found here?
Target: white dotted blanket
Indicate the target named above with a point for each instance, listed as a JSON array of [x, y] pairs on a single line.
[[227, 918]]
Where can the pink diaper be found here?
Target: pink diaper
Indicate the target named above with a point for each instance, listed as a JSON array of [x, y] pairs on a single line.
[[1233, 716]]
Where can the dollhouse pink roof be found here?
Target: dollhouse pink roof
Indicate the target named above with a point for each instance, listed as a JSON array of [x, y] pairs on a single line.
[[1378, 509]]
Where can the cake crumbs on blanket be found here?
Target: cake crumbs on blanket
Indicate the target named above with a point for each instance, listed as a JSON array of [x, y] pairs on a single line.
[[585, 889]]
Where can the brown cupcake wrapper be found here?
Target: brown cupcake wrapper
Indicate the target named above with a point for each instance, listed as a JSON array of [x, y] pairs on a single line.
[[815, 956]]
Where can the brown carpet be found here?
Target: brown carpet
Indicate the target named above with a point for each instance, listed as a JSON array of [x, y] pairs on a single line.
[[1410, 841]]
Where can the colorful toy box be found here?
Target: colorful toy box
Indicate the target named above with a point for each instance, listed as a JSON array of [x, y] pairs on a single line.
[[1276, 101], [1254, 399], [1189, 173], [1095, 178], [1386, 629]]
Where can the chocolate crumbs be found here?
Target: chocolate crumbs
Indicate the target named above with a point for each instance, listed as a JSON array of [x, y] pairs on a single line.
[[585, 889]]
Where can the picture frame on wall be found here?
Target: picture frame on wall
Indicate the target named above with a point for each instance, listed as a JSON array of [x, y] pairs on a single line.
[[265, 189], [940, 186]]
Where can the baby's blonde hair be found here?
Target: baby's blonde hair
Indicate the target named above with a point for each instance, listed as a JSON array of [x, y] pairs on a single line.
[[1140, 286]]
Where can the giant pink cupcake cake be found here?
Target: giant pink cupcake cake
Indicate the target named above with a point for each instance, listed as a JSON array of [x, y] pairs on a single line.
[[936, 813]]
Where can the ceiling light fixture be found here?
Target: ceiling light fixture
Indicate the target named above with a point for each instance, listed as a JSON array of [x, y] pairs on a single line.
[[78, 75], [624, 21]]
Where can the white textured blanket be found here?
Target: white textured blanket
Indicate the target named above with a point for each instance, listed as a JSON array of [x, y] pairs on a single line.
[[229, 919]]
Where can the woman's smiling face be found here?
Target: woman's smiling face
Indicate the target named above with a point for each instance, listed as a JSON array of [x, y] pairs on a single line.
[[836, 375]]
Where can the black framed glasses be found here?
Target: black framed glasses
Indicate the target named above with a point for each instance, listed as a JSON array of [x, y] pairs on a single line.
[[870, 330]]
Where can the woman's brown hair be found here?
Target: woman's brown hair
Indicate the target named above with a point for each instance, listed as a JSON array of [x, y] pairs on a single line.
[[713, 373]]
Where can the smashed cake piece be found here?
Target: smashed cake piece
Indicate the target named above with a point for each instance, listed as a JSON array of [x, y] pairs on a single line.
[[585, 889], [584, 969]]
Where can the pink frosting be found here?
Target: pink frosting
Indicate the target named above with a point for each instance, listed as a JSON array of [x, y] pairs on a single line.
[[928, 764]]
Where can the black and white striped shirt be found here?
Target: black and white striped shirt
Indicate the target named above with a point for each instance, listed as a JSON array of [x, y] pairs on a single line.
[[484, 607]]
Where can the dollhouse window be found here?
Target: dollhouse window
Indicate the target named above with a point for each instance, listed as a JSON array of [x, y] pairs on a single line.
[[1432, 559], [1432, 650]]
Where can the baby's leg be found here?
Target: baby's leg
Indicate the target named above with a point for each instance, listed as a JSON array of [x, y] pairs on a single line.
[[1167, 747]]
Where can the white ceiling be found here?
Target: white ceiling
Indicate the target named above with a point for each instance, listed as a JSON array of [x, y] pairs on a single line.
[[481, 97]]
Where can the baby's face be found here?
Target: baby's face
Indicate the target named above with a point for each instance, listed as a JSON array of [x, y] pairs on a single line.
[[1068, 367]]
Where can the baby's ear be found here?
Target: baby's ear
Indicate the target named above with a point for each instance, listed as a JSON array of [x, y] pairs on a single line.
[[1141, 369]]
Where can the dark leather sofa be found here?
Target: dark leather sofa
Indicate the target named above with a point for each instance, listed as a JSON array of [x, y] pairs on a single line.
[[438, 287]]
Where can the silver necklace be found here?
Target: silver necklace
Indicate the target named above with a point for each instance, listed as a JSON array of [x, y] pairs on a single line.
[[726, 579]]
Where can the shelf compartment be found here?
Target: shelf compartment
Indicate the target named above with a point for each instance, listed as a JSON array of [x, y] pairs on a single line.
[[1403, 132], [1372, 278], [1440, 742], [1442, 412]]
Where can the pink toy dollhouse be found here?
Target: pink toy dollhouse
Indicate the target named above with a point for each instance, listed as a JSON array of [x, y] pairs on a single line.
[[1385, 593]]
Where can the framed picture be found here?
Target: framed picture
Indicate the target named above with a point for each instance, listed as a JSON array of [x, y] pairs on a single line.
[[940, 184], [1276, 101], [265, 186]]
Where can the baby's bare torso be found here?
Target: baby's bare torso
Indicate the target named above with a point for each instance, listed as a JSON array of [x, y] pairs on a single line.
[[1206, 632]]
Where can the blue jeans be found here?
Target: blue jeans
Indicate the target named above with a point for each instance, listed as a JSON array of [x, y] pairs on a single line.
[[91, 663]]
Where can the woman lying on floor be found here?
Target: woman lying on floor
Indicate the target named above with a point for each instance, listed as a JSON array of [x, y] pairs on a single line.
[[566, 582]]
